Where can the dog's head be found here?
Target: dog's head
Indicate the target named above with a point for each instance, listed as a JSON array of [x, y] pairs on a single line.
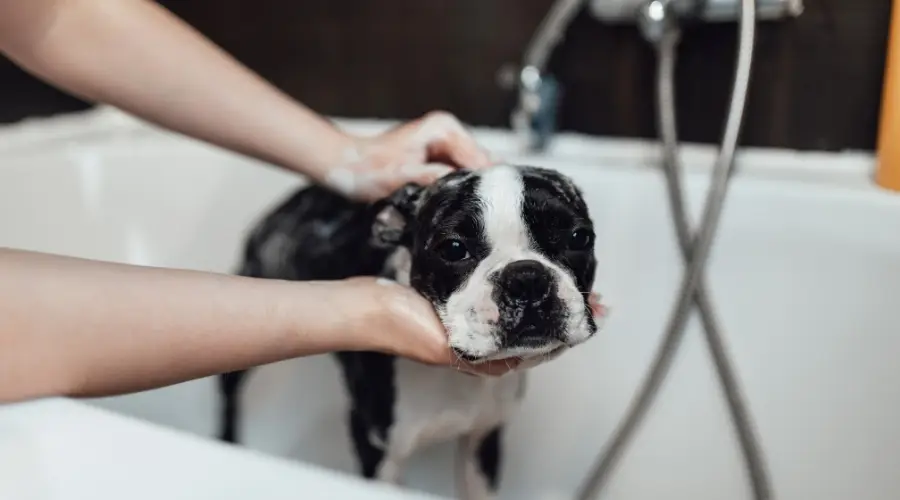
[[505, 254]]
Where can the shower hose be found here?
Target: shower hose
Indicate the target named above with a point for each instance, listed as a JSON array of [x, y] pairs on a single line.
[[695, 250]]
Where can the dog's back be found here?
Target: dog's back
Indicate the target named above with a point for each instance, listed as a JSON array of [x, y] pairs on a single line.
[[314, 234]]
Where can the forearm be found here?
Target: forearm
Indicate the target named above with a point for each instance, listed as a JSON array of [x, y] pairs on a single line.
[[137, 56], [84, 328]]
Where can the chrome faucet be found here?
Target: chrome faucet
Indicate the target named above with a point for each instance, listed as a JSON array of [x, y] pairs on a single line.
[[534, 118]]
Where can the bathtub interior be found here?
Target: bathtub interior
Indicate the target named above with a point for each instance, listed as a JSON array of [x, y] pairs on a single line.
[[804, 274], [58, 449]]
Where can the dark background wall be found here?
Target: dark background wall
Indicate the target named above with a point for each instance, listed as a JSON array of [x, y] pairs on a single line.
[[817, 79]]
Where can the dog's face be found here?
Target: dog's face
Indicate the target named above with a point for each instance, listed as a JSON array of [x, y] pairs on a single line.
[[505, 254]]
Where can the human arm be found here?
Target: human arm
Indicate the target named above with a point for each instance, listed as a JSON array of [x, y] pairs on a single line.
[[83, 328], [137, 56]]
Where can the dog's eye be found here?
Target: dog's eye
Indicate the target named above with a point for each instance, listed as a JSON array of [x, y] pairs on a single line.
[[580, 239], [453, 251]]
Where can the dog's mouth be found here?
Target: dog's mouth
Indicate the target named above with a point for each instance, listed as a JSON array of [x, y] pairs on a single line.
[[524, 342]]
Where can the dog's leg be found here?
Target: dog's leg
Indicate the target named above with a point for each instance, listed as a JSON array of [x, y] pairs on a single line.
[[375, 458], [478, 465], [230, 391], [369, 454]]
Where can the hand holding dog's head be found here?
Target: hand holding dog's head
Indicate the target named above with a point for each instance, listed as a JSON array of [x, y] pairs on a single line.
[[505, 254]]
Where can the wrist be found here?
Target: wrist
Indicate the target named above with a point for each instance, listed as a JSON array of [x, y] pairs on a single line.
[[330, 150], [331, 316], [363, 326]]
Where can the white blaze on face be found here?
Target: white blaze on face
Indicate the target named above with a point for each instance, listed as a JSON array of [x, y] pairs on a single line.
[[470, 314]]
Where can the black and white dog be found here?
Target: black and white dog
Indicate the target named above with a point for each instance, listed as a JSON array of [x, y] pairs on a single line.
[[505, 255]]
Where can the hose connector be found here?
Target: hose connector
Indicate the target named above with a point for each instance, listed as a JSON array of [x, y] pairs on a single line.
[[656, 19]]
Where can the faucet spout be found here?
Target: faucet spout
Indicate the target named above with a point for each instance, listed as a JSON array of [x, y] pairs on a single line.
[[534, 117]]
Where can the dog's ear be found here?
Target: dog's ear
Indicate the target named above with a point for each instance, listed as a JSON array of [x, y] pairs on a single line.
[[395, 217]]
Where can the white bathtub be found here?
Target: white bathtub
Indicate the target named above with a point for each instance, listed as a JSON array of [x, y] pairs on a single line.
[[805, 275]]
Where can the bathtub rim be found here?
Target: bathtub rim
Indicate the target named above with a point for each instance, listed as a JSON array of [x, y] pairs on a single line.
[[105, 126]]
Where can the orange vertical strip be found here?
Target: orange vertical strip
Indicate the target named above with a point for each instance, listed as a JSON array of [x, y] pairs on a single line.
[[887, 174]]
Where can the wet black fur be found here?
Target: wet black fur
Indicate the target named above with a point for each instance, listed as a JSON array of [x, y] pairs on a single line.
[[331, 239]]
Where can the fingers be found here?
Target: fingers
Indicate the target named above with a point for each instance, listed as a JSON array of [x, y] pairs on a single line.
[[425, 174], [493, 368], [597, 308], [441, 355], [420, 151], [447, 141], [487, 369], [374, 184], [459, 150]]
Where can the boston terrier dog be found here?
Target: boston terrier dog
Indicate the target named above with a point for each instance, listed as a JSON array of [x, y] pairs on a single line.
[[505, 255]]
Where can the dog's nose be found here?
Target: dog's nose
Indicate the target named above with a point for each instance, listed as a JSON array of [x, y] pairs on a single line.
[[525, 281]]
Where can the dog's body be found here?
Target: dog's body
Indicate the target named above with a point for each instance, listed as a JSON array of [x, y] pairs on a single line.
[[506, 257]]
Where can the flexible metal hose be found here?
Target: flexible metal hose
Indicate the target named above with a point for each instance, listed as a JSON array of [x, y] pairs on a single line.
[[753, 455], [674, 332]]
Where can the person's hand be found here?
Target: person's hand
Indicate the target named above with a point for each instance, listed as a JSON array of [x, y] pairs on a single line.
[[394, 319], [419, 151], [399, 321], [598, 309]]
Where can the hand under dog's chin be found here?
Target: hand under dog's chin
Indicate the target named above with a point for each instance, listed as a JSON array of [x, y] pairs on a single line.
[[527, 353], [529, 362], [526, 357]]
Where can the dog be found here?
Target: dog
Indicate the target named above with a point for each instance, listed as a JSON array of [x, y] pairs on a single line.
[[505, 255]]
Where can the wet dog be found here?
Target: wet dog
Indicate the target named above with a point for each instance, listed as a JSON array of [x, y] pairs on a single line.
[[505, 255]]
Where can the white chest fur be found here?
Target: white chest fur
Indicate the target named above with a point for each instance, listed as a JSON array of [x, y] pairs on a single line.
[[434, 404]]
